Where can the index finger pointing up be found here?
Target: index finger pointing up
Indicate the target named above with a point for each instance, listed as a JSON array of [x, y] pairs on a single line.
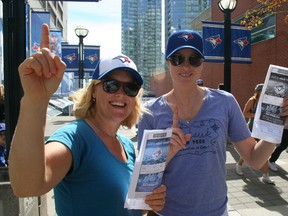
[[45, 37]]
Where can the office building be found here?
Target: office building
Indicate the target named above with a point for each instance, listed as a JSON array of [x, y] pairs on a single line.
[[141, 36]]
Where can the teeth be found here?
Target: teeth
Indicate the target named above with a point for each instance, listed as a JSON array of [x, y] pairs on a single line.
[[118, 104]]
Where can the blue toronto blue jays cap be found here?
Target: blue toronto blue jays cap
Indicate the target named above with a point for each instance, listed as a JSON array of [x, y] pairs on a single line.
[[184, 39], [117, 62], [2, 127]]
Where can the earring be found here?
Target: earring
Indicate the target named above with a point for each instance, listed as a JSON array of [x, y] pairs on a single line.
[[94, 100]]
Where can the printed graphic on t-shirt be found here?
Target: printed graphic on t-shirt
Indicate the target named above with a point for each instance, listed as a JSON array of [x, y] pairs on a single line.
[[204, 137]]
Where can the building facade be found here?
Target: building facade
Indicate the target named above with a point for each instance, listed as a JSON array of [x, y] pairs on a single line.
[[141, 36], [58, 13], [180, 13]]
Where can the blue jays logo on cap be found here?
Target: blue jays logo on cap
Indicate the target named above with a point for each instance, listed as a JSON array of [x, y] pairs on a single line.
[[123, 59], [117, 62], [184, 39]]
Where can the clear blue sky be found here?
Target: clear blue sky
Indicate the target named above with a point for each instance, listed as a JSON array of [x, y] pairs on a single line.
[[103, 19]]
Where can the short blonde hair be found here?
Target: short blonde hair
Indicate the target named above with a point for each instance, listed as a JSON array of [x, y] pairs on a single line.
[[84, 105]]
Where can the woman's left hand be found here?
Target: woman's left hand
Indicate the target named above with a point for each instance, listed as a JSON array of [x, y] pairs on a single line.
[[156, 200]]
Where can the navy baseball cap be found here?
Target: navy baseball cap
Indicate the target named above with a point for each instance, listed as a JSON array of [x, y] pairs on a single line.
[[116, 62], [184, 39]]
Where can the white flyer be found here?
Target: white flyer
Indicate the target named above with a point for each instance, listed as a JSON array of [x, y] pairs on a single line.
[[268, 124], [149, 167]]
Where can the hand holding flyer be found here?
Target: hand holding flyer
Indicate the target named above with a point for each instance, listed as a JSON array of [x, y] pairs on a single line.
[[149, 167], [268, 123]]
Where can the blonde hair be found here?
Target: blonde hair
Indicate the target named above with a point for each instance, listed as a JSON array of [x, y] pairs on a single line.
[[84, 105]]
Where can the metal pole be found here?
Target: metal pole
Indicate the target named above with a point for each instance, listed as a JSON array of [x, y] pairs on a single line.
[[14, 44], [81, 62], [227, 50]]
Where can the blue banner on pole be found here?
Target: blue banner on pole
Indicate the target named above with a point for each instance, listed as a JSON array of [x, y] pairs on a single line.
[[70, 57], [91, 58], [213, 36], [37, 20]]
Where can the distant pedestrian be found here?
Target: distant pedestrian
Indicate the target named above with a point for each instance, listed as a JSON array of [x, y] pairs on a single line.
[[221, 86], [249, 113]]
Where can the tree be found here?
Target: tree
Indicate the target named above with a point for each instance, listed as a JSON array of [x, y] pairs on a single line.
[[254, 18]]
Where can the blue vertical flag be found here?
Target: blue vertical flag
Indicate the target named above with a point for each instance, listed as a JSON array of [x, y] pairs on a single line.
[[213, 36], [91, 58], [70, 57], [37, 20]]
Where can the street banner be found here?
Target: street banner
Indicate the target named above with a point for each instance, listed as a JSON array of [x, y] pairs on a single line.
[[213, 39], [91, 58], [37, 20], [70, 56]]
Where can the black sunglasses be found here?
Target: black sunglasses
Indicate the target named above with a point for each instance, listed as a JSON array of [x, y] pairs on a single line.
[[194, 61], [112, 86]]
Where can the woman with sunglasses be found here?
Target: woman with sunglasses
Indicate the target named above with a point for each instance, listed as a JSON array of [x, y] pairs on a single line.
[[87, 162], [196, 176]]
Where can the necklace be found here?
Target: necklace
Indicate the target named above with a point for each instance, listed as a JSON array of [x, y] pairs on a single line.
[[187, 118], [112, 142], [100, 129]]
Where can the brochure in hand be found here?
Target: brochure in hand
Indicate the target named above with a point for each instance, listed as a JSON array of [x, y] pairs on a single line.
[[149, 167], [268, 124]]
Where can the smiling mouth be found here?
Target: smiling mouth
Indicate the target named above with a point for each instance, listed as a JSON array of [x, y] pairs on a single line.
[[185, 74], [118, 104]]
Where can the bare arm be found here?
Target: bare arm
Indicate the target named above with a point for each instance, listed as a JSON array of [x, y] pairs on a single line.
[[256, 154], [32, 166]]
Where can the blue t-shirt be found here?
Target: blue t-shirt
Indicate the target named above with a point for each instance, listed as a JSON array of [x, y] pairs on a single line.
[[98, 182], [196, 177]]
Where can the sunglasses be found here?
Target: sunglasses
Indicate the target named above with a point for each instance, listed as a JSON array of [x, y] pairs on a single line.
[[194, 61], [112, 86]]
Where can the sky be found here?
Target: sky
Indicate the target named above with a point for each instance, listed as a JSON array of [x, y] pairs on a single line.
[[102, 19]]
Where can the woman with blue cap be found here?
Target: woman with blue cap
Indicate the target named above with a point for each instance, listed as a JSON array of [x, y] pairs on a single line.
[[196, 176], [87, 162]]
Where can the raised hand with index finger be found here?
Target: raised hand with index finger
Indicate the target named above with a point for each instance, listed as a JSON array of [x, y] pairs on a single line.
[[41, 73], [178, 138]]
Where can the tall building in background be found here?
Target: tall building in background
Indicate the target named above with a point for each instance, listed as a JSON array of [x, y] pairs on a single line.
[[58, 13], [141, 36], [179, 14]]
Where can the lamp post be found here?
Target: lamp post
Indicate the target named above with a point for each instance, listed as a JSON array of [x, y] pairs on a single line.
[[81, 33], [227, 6]]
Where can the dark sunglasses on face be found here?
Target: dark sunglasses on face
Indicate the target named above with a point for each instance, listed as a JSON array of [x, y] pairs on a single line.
[[194, 61], [112, 86]]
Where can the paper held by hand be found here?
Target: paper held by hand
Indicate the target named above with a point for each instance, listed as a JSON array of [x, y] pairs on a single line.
[[268, 123], [149, 167]]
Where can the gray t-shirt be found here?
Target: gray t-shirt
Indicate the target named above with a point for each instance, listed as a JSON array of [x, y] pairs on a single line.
[[196, 177]]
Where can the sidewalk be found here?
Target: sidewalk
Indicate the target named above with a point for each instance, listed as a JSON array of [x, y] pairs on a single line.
[[248, 196]]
